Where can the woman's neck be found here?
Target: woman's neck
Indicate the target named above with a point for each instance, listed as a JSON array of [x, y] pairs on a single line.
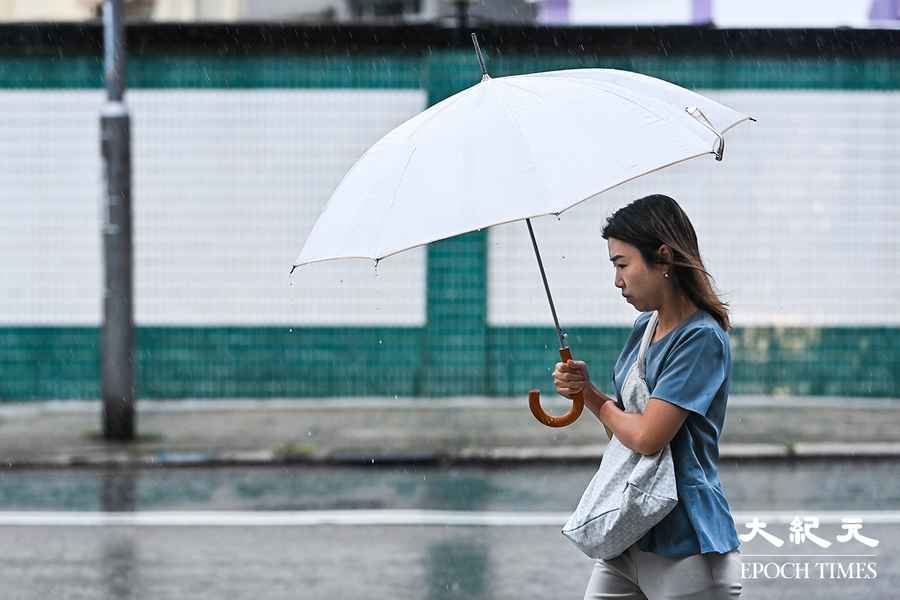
[[673, 312]]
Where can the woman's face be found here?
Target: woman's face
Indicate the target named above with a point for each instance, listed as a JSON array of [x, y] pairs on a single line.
[[641, 284]]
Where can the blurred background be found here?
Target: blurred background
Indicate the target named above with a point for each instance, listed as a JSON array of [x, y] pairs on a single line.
[[241, 130], [346, 387]]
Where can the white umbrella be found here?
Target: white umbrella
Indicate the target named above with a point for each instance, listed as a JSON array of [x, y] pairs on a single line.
[[512, 148]]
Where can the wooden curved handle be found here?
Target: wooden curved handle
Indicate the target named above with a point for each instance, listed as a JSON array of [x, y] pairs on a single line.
[[534, 401]]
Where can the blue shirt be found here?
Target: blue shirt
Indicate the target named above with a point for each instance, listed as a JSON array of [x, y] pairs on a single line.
[[690, 367]]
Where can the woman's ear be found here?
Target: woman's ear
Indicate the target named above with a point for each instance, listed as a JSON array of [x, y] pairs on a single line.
[[664, 253]]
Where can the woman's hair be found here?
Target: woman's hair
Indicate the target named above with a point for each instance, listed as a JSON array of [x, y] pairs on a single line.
[[651, 221]]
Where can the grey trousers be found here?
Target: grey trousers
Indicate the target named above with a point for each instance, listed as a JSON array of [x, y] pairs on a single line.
[[637, 575]]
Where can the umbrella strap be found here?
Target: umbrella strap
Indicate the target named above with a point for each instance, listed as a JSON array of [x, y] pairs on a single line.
[[701, 118]]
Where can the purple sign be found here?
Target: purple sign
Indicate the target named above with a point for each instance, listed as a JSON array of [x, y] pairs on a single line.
[[702, 12], [884, 10], [554, 12]]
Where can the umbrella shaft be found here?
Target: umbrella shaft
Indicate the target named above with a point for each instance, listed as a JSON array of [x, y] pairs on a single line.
[[562, 336]]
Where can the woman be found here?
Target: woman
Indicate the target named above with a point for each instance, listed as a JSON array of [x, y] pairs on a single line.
[[694, 552]]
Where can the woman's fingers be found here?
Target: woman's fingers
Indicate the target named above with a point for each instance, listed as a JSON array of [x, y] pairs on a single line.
[[569, 381], [575, 367], [568, 393], [570, 378]]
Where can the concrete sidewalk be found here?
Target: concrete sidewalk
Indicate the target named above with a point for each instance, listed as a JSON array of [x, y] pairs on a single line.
[[380, 431]]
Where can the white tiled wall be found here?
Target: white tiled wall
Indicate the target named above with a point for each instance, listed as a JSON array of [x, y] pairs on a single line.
[[798, 225], [227, 184]]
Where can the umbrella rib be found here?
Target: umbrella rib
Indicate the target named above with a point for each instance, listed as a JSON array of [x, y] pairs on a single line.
[[630, 179], [384, 217], [506, 81], [733, 125], [511, 114], [667, 112], [442, 106]]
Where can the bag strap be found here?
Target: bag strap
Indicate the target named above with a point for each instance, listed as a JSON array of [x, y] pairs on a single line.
[[645, 343]]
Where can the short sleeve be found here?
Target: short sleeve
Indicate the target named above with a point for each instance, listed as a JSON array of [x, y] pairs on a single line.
[[693, 372]]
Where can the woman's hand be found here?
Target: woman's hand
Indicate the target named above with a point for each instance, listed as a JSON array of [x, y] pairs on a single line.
[[571, 378]]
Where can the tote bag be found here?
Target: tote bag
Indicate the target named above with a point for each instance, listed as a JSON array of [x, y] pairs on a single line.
[[630, 492]]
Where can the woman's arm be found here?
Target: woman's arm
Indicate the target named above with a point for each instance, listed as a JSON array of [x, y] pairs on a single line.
[[647, 432]]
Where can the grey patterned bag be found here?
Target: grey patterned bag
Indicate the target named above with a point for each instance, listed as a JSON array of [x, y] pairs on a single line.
[[630, 492]]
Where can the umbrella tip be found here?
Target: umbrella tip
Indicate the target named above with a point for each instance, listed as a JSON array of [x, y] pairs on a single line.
[[480, 56]]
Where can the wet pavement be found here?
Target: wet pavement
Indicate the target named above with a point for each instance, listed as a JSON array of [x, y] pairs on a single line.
[[514, 560], [323, 562], [861, 484]]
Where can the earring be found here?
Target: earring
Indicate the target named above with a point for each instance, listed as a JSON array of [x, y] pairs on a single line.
[[666, 275]]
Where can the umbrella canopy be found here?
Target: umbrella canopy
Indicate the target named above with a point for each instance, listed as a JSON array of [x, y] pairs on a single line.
[[514, 148], [511, 148]]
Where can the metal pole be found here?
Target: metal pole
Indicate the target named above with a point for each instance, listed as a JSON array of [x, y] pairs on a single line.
[[562, 336], [117, 343], [462, 14]]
